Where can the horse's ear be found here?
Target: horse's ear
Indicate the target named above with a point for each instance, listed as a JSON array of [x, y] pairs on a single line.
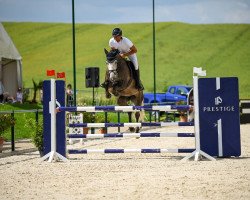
[[105, 51]]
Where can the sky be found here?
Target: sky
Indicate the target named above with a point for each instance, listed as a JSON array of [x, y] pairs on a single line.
[[126, 11]]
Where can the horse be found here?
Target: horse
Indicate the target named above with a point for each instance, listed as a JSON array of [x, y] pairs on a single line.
[[121, 83]]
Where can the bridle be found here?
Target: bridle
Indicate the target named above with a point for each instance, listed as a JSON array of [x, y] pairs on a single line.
[[112, 70]]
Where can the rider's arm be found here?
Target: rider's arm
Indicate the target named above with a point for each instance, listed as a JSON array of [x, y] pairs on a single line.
[[132, 51]]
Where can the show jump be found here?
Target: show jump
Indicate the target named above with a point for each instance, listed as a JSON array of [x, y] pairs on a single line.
[[216, 121]]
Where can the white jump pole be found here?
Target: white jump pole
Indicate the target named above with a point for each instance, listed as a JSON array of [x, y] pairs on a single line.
[[53, 155], [198, 153]]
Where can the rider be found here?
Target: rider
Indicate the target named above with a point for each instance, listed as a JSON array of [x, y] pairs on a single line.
[[127, 49]]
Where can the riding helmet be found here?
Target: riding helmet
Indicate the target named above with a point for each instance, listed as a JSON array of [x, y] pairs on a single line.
[[117, 32]]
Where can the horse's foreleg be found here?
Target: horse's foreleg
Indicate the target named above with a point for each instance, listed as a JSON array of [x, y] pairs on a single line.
[[105, 85], [129, 116]]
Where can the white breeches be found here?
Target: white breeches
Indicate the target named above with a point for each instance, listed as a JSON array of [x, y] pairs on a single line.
[[133, 59]]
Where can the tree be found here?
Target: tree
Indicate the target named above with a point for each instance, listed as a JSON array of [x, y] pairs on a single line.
[[36, 86]]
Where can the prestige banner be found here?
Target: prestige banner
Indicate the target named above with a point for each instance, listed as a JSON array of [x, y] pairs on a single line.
[[219, 116]]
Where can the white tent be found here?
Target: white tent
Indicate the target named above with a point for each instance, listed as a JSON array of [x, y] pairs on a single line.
[[10, 64]]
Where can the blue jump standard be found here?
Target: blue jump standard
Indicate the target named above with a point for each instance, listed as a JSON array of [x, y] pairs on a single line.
[[121, 135], [161, 124], [121, 108], [86, 151]]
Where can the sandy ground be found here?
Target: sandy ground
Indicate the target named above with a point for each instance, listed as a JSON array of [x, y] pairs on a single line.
[[128, 176]]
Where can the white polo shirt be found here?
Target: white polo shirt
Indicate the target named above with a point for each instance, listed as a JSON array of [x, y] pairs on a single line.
[[124, 47]]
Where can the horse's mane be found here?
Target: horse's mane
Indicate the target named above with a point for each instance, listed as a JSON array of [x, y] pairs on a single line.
[[112, 55]]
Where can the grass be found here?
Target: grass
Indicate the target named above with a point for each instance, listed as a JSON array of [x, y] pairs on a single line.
[[221, 49], [20, 131]]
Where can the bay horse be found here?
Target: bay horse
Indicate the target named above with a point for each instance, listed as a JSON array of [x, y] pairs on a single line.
[[120, 82]]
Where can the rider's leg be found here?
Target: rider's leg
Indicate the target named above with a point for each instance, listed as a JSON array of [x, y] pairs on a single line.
[[138, 80], [137, 73]]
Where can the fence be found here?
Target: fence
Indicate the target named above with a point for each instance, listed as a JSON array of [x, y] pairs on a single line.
[[12, 129], [245, 111]]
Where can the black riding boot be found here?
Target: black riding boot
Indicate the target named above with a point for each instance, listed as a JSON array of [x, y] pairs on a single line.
[[138, 80]]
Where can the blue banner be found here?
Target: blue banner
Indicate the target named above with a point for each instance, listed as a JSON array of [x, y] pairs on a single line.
[[60, 118], [219, 116]]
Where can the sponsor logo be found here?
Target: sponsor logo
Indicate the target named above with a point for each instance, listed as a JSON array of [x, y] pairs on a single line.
[[218, 109], [217, 101]]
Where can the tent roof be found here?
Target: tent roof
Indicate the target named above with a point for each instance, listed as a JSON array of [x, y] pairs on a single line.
[[7, 47]]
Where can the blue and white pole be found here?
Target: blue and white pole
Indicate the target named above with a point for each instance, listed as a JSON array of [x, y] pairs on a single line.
[[53, 155], [198, 152]]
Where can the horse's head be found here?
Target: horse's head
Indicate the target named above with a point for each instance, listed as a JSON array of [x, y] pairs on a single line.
[[112, 59]]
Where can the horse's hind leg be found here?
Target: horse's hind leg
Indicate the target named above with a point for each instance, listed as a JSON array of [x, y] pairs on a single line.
[[137, 116], [137, 100], [131, 129], [122, 101]]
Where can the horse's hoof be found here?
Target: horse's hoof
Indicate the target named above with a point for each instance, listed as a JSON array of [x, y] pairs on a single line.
[[137, 130], [115, 93], [132, 129], [108, 96]]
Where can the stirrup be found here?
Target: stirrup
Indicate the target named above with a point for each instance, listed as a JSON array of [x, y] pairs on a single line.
[[108, 95]]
